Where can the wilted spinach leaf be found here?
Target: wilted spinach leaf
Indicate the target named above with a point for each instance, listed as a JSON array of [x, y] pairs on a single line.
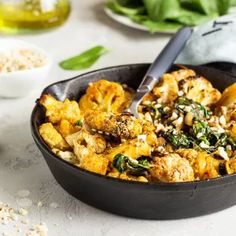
[[179, 140], [136, 167]]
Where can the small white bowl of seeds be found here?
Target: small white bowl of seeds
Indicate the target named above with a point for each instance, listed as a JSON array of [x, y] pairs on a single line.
[[23, 67]]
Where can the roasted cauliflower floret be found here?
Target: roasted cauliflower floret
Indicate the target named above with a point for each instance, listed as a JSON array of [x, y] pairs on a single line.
[[65, 128], [167, 89], [94, 163], [105, 96], [66, 155], [87, 148], [57, 110], [123, 125], [198, 89], [204, 165], [52, 137], [183, 74], [185, 82], [172, 168], [189, 154], [83, 140]]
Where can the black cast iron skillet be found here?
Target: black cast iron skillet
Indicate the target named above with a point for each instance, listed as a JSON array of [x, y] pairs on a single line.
[[139, 200]]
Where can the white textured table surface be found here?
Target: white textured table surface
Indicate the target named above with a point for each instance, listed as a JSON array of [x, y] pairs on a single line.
[[23, 167]]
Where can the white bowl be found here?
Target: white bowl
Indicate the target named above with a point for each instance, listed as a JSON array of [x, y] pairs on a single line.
[[21, 83]]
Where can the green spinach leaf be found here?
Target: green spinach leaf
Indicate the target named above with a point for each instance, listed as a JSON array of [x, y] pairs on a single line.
[[170, 15], [84, 60], [135, 167]]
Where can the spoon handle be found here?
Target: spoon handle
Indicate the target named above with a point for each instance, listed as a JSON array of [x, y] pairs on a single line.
[[165, 59], [160, 66]]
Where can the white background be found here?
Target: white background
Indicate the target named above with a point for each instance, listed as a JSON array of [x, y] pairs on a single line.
[[22, 165]]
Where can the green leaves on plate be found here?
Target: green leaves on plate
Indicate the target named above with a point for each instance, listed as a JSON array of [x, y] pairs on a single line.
[[84, 60], [170, 15]]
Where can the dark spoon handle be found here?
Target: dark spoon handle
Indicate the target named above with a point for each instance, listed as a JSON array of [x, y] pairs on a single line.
[[160, 66], [165, 59]]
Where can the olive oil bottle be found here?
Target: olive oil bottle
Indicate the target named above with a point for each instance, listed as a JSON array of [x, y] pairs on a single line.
[[27, 16]]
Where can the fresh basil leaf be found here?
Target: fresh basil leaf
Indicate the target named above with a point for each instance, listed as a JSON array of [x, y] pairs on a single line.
[[180, 140], [84, 60]]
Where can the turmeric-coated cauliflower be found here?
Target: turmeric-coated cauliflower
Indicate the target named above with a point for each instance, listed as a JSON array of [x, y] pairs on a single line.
[[172, 168], [105, 96], [52, 137], [57, 110]]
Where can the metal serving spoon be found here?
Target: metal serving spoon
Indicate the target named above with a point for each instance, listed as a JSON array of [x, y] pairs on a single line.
[[160, 66]]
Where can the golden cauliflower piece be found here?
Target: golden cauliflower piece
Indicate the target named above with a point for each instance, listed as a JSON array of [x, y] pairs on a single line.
[[105, 96], [84, 144], [204, 165], [201, 90], [232, 131], [57, 110], [198, 89], [52, 137], [123, 125], [228, 97], [94, 163], [185, 82], [183, 74], [167, 89], [95, 143], [172, 168], [65, 128], [65, 155], [231, 165]]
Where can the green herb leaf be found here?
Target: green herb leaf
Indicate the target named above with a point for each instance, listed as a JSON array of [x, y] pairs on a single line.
[[84, 60], [135, 167], [180, 140], [201, 132], [119, 162], [79, 123], [197, 109]]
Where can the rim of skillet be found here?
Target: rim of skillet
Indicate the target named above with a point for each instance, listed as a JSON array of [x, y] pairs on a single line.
[[180, 186]]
